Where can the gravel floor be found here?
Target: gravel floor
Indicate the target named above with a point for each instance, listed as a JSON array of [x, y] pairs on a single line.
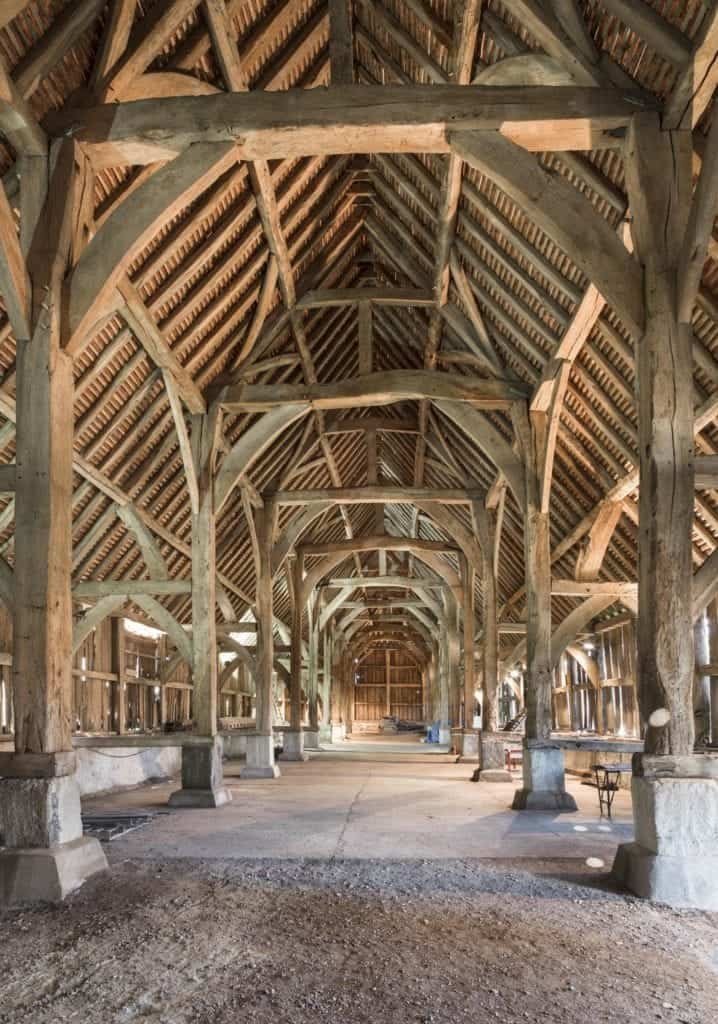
[[192, 942]]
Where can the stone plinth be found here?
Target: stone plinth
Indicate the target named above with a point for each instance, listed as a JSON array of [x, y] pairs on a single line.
[[444, 736], [492, 747], [312, 739], [260, 763], [46, 856], [48, 875], [544, 787], [337, 733], [202, 775], [466, 743], [39, 812], [293, 746], [674, 858]]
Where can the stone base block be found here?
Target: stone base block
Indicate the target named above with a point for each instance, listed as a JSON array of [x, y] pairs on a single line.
[[444, 736], [260, 763], [543, 800], [293, 746], [544, 787], [679, 881], [676, 817], [337, 733], [674, 859], [200, 797], [311, 738], [467, 744], [492, 747], [48, 875], [495, 775], [202, 775], [39, 812], [325, 734]]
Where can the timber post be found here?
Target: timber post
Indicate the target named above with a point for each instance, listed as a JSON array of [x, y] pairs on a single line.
[[675, 792], [202, 774], [294, 737], [260, 763], [492, 767], [544, 787], [45, 854]]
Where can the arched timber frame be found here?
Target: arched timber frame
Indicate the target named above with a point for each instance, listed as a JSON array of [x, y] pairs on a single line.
[[281, 408]]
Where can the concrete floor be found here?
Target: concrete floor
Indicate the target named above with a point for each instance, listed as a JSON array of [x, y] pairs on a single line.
[[376, 798], [373, 883]]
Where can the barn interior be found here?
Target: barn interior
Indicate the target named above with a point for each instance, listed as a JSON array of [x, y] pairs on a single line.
[[358, 510]]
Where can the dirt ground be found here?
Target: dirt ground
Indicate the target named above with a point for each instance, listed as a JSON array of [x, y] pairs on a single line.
[[179, 941]]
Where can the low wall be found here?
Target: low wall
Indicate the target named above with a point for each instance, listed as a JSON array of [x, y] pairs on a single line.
[[123, 762], [234, 743]]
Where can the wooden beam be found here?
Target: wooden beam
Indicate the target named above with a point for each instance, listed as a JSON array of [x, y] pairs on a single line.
[[572, 341], [705, 585], [183, 439], [15, 284], [372, 495], [380, 542], [93, 617], [350, 119], [698, 78], [251, 445], [156, 565], [341, 42], [390, 582], [205, 434], [566, 216], [590, 557], [42, 619], [699, 230], [706, 470], [91, 288], [224, 43], [143, 326], [7, 477], [365, 338], [131, 589], [486, 437], [405, 40], [592, 588], [146, 41], [577, 620], [322, 297], [266, 297], [658, 180], [62, 35], [114, 41], [166, 621], [545, 427], [375, 389], [17, 121], [659, 34]]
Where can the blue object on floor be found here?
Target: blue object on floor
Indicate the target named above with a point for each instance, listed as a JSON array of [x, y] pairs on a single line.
[[432, 734]]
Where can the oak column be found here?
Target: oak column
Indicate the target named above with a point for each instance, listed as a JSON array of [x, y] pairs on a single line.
[[202, 775], [45, 855], [260, 763], [544, 786], [674, 790]]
